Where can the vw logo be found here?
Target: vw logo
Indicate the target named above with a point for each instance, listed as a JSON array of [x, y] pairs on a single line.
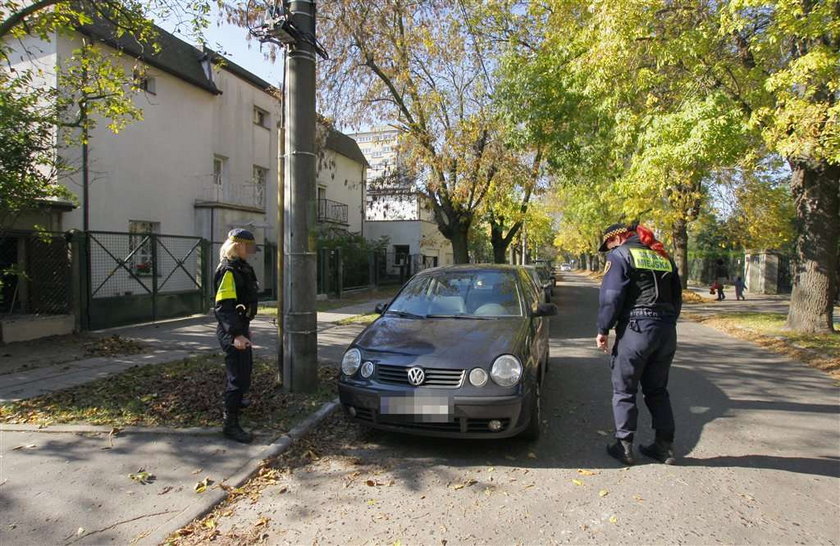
[[416, 376]]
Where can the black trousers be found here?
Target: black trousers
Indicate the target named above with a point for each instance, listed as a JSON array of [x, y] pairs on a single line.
[[238, 367], [642, 354]]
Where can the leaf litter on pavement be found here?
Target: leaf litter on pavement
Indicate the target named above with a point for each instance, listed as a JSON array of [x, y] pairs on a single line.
[[185, 393]]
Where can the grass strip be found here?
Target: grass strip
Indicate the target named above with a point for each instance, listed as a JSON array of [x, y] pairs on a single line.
[[185, 393], [821, 351]]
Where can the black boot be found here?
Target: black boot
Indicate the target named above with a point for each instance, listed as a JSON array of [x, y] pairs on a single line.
[[622, 450], [661, 450], [232, 429], [245, 403]]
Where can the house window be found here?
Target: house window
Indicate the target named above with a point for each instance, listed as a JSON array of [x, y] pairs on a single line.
[[401, 254], [260, 117], [260, 180], [140, 246], [219, 170], [144, 82]]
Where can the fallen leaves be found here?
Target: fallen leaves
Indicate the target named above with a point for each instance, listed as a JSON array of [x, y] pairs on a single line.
[[577, 482], [202, 486], [583, 472], [24, 446], [470, 482], [142, 477], [603, 493]]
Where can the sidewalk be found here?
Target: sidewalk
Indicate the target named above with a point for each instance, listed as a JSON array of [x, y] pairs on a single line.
[[174, 340], [82, 492]]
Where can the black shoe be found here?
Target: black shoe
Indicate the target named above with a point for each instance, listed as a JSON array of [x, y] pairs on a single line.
[[232, 429], [622, 450], [659, 450], [245, 402], [235, 432]]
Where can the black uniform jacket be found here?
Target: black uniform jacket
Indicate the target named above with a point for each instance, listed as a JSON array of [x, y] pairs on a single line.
[[638, 282], [237, 290]]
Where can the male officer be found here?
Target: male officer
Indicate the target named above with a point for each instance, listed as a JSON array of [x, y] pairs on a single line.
[[640, 297], [236, 304]]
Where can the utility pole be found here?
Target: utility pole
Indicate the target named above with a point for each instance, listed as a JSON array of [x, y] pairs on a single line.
[[300, 339], [291, 25]]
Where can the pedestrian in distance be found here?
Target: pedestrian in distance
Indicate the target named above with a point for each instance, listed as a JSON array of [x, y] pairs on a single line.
[[719, 289], [739, 288], [641, 298], [236, 304]]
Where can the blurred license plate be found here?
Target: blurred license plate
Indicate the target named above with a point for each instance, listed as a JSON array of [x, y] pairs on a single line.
[[426, 408]]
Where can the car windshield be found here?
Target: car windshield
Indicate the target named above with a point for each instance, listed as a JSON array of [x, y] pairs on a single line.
[[459, 294]]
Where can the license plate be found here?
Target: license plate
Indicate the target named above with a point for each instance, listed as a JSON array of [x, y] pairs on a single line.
[[424, 408]]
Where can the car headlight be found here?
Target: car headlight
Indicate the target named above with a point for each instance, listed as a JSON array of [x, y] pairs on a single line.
[[351, 361], [478, 377], [506, 371]]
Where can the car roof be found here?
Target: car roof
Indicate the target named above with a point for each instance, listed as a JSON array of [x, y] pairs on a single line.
[[469, 268]]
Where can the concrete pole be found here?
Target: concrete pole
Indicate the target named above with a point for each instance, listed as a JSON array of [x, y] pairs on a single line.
[[300, 355]]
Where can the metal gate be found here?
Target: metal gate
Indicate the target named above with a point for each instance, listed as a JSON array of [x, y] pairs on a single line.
[[142, 277]]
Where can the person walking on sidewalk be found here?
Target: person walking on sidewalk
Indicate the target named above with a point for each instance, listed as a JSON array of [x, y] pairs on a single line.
[[739, 288], [641, 297], [236, 304]]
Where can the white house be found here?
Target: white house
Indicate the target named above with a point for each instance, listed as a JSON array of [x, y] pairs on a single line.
[[394, 209], [203, 159]]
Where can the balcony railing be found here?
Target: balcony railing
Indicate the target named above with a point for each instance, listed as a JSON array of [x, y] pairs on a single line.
[[246, 195], [332, 211]]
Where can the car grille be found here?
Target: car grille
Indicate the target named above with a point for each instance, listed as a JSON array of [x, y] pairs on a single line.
[[435, 377]]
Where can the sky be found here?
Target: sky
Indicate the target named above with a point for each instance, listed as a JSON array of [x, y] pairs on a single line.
[[232, 41]]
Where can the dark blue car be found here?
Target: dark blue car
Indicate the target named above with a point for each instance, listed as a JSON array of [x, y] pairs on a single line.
[[461, 351]]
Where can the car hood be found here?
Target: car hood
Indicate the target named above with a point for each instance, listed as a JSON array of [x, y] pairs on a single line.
[[442, 342]]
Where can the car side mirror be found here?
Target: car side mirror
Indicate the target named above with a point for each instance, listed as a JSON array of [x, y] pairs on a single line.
[[544, 310], [380, 308]]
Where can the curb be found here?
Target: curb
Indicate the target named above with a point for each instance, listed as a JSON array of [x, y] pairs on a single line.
[[207, 503]]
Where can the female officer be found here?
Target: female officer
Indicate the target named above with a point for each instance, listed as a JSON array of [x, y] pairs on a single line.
[[641, 297], [236, 304]]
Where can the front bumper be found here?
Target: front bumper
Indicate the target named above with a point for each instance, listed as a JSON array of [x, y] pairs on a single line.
[[469, 416]]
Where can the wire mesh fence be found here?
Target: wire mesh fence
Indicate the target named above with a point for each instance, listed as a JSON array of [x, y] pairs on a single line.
[[35, 274]]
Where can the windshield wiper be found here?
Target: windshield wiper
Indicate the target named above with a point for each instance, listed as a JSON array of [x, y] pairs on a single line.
[[403, 314], [469, 317]]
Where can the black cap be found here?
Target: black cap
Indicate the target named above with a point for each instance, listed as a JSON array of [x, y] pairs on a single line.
[[611, 232], [241, 235]]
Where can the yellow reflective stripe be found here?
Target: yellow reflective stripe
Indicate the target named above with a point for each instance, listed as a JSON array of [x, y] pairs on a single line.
[[227, 288], [645, 258]]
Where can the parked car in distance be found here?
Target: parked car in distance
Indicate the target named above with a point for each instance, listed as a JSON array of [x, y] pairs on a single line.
[[565, 267], [460, 352]]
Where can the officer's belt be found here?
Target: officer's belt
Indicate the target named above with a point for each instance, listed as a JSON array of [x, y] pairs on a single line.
[[644, 312]]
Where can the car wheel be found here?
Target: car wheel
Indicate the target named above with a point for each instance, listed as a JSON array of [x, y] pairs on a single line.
[[532, 431]]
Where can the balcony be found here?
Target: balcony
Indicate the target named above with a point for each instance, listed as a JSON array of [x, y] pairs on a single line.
[[247, 196], [332, 212]]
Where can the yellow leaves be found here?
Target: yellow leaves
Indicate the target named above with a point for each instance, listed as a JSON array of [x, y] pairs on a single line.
[[583, 472], [470, 482], [202, 486], [603, 493], [577, 482]]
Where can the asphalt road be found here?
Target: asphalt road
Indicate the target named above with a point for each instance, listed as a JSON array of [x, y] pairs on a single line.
[[758, 440]]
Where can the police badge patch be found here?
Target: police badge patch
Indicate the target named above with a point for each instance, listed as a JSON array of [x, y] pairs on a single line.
[[607, 267]]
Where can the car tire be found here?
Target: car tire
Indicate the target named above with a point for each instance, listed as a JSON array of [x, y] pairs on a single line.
[[532, 431]]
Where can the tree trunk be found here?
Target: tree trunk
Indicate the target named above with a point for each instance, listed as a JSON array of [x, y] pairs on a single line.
[[459, 240], [501, 242], [815, 192], [680, 235]]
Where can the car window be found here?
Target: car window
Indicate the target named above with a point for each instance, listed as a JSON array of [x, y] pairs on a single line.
[[484, 293], [530, 280]]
